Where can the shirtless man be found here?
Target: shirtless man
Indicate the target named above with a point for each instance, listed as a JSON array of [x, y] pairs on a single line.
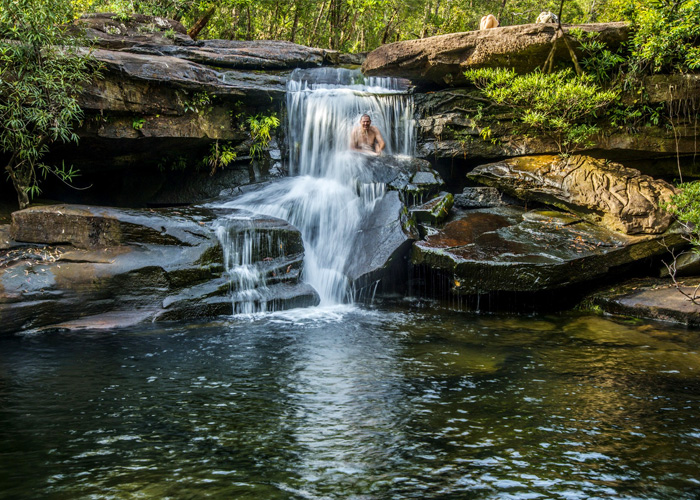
[[366, 138]]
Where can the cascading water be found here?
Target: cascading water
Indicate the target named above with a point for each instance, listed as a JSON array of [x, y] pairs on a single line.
[[325, 197]]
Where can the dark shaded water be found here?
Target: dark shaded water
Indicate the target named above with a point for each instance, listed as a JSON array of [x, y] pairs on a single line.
[[354, 404]]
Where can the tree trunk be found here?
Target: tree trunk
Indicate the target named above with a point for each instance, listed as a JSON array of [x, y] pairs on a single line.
[[312, 38], [295, 23], [20, 185], [201, 22], [426, 17]]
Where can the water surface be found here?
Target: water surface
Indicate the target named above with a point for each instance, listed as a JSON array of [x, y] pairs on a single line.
[[352, 403]]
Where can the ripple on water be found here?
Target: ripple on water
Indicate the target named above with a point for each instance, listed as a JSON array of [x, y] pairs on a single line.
[[349, 403]]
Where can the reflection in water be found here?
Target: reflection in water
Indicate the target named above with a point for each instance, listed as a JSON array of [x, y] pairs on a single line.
[[354, 404]]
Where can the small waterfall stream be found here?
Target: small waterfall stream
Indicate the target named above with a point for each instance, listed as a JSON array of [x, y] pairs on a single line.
[[324, 197]]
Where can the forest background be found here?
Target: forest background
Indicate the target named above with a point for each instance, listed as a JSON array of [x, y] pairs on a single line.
[[357, 25]]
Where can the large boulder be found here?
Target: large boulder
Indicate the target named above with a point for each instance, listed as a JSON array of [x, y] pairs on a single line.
[[159, 36], [175, 72], [606, 193], [110, 31], [382, 246], [442, 60], [507, 249], [75, 262]]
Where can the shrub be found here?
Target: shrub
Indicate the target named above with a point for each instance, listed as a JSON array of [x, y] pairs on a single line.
[[558, 105]]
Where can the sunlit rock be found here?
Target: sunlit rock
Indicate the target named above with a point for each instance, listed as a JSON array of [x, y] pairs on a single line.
[[434, 211], [508, 249], [651, 299], [480, 197], [442, 60], [603, 192]]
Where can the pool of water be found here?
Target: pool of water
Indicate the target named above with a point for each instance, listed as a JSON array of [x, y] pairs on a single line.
[[354, 403]]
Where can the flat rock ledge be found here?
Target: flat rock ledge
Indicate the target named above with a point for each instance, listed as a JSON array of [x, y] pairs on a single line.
[[605, 193], [74, 266], [508, 249], [655, 299]]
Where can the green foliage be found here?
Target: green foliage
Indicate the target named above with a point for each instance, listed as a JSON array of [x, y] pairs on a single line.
[[41, 72], [122, 10], [169, 33], [138, 123], [666, 35], [559, 105], [177, 164], [685, 207], [598, 62], [220, 155], [261, 128], [198, 103], [346, 25]]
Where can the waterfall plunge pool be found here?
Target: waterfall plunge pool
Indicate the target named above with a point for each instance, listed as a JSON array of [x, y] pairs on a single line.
[[346, 402]]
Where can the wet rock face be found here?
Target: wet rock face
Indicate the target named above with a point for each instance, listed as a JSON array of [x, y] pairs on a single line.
[[382, 248], [135, 265], [414, 179], [442, 60], [607, 193], [511, 250]]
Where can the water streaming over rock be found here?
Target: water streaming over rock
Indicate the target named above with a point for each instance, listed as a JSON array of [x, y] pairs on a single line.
[[324, 196]]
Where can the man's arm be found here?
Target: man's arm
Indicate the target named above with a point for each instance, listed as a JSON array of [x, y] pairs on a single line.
[[380, 141]]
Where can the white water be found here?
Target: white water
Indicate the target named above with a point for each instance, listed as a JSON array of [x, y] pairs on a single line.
[[323, 197]]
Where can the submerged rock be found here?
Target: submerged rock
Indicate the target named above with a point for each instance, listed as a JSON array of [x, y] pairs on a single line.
[[603, 192], [509, 249], [73, 262]]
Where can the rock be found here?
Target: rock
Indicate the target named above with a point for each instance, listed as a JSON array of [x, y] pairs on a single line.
[[650, 299], [442, 60], [480, 197], [434, 211], [672, 88], [603, 192], [413, 178], [247, 55], [508, 249], [686, 264], [352, 59], [146, 264], [89, 227], [381, 248], [208, 301], [456, 124], [180, 73], [106, 30]]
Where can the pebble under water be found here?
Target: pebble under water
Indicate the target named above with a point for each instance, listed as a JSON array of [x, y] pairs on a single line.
[[354, 403]]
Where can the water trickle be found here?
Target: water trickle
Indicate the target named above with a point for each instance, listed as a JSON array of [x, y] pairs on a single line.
[[328, 195]]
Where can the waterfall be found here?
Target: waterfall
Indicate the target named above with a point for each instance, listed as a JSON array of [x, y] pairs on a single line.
[[324, 197]]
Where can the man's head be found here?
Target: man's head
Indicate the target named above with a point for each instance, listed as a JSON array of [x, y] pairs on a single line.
[[365, 122]]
